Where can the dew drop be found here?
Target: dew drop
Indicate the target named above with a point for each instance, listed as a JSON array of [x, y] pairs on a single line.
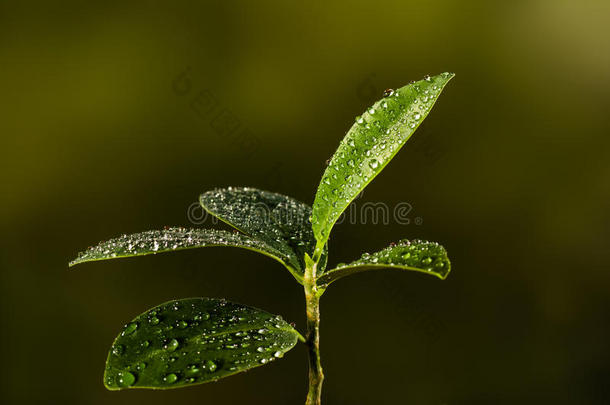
[[193, 368], [125, 379], [204, 316], [129, 329], [210, 365], [171, 345], [170, 378], [373, 164], [118, 350]]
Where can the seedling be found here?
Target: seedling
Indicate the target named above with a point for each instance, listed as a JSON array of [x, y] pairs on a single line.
[[198, 340]]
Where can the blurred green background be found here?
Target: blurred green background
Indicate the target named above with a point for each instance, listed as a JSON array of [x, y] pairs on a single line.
[[103, 132]]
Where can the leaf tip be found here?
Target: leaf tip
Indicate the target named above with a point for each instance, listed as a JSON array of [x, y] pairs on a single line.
[[444, 78]]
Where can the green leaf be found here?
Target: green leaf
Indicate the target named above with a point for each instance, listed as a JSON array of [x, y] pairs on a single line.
[[278, 220], [171, 239], [367, 148], [417, 255], [193, 341]]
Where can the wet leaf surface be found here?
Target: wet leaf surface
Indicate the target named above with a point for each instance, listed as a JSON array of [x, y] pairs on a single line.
[[280, 221], [373, 140], [172, 239], [417, 255], [193, 341]]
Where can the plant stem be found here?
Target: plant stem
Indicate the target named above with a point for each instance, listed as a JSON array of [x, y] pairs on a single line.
[[312, 300]]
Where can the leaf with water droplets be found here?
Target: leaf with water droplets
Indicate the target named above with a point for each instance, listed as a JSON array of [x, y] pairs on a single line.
[[172, 239], [373, 140], [280, 221], [194, 341], [417, 255]]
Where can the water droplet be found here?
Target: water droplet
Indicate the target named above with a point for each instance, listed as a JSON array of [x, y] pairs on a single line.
[[193, 368], [153, 320], [210, 365], [388, 92], [204, 316], [118, 350], [170, 378], [406, 256], [145, 343], [373, 164], [125, 379], [171, 345]]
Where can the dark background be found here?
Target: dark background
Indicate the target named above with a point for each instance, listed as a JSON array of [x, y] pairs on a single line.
[[510, 172]]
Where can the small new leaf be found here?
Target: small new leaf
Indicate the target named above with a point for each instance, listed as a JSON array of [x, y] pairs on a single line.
[[172, 239], [417, 255], [193, 341], [369, 145]]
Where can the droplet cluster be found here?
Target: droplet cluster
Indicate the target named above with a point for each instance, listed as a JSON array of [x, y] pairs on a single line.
[[418, 255], [369, 145], [192, 341], [278, 220], [171, 239]]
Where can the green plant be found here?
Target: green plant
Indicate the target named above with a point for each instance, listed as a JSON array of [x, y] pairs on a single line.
[[197, 340]]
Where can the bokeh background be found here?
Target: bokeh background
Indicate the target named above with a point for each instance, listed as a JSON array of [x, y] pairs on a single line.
[[103, 132]]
